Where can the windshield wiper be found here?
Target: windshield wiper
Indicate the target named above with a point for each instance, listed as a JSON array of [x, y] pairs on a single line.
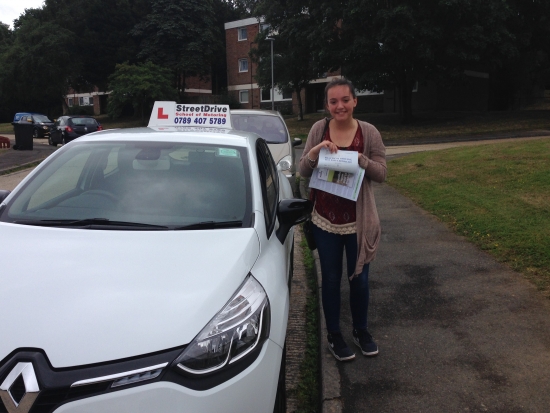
[[88, 222], [211, 225]]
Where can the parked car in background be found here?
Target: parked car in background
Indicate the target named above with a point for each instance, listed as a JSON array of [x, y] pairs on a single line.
[[67, 128], [41, 123], [271, 126]]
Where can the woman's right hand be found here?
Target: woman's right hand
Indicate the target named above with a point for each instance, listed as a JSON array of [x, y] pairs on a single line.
[[314, 152]]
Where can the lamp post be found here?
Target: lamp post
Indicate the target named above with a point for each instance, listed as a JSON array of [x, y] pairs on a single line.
[[271, 40]]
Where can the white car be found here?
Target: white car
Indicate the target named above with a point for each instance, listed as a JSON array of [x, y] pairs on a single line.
[[271, 126], [162, 279]]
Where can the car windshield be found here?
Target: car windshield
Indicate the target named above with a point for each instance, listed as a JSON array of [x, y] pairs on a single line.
[[41, 118], [84, 121], [271, 128], [169, 185]]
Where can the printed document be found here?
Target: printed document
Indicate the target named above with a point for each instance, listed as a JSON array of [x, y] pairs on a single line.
[[338, 173]]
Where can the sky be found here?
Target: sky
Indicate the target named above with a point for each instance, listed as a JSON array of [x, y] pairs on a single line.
[[12, 9]]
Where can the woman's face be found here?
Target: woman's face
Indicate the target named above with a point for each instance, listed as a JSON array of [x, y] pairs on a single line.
[[340, 102]]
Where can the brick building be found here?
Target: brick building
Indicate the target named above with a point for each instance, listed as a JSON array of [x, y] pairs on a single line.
[[97, 100], [240, 38]]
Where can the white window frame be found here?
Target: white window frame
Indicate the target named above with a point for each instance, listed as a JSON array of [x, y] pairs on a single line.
[[241, 93], [240, 32], [243, 62], [278, 96]]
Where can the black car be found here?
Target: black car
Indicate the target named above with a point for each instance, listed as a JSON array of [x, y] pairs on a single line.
[[67, 128], [41, 123]]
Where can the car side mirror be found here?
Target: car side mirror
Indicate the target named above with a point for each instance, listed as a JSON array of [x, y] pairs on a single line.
[[291, 212], [296, 142], [4, 194]]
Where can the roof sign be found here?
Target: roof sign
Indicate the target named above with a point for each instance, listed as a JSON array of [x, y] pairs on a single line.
[[190, 115]]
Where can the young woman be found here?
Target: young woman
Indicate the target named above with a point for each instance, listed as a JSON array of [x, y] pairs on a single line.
[[341, 223]]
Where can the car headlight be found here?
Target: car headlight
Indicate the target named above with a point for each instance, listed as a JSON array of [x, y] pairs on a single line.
[[45, 127], [286, 163], [233, 333]]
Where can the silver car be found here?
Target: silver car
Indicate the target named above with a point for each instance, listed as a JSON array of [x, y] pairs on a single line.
[[271, 126]]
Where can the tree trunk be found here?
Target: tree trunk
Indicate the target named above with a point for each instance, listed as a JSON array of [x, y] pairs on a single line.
[[404, 88], [298, 91]]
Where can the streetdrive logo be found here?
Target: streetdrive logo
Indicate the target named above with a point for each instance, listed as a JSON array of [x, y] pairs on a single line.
[[166, 114]]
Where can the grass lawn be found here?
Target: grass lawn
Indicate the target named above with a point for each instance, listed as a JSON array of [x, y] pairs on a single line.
[[438, 124], [497, 196]]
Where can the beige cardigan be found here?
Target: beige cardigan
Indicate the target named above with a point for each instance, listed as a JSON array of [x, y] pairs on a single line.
[[373, 161]]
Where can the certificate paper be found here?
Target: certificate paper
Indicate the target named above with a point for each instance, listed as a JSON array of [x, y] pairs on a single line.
[[338, 173]]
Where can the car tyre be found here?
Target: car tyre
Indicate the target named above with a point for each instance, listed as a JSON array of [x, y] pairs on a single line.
[[280, 398], [51, 142], [35, 134]]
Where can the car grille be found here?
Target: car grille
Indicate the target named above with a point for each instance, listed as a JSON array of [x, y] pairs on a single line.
[[50, 399]]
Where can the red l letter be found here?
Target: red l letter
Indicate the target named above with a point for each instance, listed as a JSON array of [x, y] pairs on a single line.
[[161, 114]]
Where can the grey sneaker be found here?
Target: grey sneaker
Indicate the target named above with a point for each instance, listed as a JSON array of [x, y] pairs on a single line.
[[364, 341], [339, 348]]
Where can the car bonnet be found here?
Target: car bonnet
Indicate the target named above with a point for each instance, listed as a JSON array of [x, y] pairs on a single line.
[[90, 296]]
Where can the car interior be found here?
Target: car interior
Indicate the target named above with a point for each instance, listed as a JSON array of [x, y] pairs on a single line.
[[153, 184]]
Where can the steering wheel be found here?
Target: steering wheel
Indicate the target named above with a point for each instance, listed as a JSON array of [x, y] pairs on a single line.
[[103, 193]]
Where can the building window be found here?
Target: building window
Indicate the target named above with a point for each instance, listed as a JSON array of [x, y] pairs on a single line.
[[285, 95], [70, 102], [81, 101], [243, 35], [243, 96], [243, 65], [264, 27]]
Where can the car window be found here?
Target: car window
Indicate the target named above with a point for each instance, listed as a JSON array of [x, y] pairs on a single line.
[[271, 128], [83, 121], [169, 184], [270, 184], [61, 181], [41, 118]]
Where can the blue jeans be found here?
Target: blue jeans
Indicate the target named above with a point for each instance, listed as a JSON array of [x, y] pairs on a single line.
[[331, 247]]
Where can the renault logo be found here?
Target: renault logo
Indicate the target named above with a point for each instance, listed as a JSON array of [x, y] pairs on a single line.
[[20, 389]]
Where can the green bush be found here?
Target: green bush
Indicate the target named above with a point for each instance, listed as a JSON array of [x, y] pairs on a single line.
[[81, 110]]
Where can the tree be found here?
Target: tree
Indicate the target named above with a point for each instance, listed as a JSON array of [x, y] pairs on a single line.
[[181, 36], [395, 43], [36, 65], [292, 25], [101, 29], [140, 86], [528, 69], [5, 43]]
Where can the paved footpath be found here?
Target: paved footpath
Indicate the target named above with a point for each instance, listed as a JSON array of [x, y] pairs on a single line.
[[457, 331]]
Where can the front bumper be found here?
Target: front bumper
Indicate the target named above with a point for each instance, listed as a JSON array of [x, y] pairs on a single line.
[[252, 390]]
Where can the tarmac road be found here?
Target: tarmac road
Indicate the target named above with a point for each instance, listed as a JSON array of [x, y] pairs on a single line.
[[457, 331]]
